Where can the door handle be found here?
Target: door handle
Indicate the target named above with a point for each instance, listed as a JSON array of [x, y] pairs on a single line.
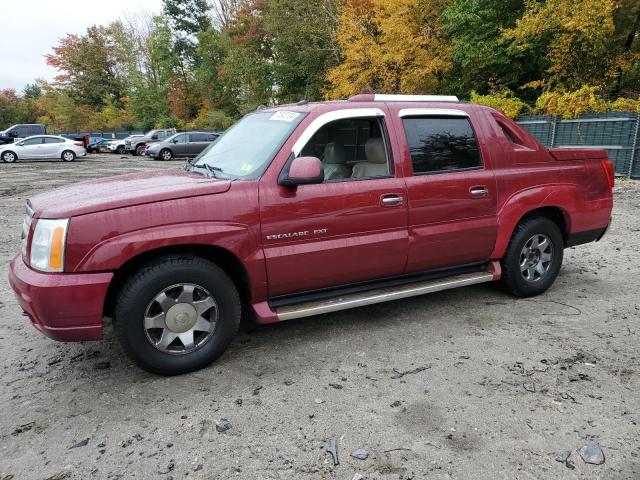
[[479, 191], [391, 200]]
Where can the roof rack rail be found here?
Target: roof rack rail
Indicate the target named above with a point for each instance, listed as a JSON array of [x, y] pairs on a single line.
[[371, 97]]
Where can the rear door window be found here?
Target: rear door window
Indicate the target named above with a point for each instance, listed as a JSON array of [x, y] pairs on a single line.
[[52, 140], [199, 137], [441, 144]]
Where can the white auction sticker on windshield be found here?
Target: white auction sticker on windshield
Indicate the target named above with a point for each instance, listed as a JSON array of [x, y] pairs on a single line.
[[284, 116]]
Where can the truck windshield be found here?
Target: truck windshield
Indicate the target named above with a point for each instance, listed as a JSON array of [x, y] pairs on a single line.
[[245, 149]]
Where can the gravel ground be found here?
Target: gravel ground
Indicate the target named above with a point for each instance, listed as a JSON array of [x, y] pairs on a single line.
[[430, 387]]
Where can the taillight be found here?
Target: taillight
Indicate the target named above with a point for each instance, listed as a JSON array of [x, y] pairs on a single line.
[[610, 171]]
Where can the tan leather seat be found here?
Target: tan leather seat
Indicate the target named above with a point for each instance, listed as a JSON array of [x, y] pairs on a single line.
[[334, 161], [376, 164]]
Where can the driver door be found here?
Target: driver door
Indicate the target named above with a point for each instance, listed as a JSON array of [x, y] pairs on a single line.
[[31, 148], [345, 230]]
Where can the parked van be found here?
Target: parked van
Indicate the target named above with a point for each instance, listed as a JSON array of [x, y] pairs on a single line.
[[22, 130]]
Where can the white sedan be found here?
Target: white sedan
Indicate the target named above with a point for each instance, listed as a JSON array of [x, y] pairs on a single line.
[[42, 147]]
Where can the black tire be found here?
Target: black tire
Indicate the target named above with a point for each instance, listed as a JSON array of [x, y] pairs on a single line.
[[138, 293], [68, 156], [9, 157], [513, 276], [139, 150], [165, 154], [120, 149]]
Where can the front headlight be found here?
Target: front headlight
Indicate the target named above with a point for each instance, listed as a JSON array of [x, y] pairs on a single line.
[[47, 245]]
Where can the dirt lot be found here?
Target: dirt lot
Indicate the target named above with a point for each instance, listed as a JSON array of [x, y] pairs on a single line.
[[84, 411]]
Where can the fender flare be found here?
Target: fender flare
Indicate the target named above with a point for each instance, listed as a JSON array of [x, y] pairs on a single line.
[[112, 253], [560, 196]]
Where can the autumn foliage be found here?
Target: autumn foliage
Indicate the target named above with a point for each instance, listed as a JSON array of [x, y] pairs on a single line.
[[203, 64]]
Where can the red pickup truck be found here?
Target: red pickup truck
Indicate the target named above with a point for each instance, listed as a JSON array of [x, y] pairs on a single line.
[[305, 209]]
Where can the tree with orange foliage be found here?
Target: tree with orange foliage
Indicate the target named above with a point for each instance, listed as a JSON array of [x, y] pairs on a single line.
[[391, 46]]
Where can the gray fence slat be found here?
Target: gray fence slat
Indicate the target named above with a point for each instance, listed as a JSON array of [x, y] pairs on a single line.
[[634, 147], [616, 132]]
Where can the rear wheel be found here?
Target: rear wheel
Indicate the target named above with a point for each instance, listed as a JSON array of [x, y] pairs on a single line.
[[176, 315], [9, 156], [120, 149], [534, 257], [68, 156], [140, 150]]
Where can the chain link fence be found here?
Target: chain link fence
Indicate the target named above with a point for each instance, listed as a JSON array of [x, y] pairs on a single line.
[[616, 132]]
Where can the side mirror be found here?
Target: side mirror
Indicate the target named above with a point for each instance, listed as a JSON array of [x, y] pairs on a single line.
[[154, 137], [12, 133], [302, 171], [175, 140]]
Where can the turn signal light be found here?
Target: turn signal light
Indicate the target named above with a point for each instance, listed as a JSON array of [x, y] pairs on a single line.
[[57, 249]]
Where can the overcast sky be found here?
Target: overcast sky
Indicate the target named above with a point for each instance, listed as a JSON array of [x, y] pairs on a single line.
[[29, 28]]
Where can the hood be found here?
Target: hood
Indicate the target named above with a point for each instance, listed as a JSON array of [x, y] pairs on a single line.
[[157, 145], [124, 191]]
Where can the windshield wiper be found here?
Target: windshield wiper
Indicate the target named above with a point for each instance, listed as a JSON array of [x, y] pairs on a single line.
[[214, 171]]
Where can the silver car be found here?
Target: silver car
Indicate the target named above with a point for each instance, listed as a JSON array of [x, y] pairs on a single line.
[[42, 147], [120, 146]]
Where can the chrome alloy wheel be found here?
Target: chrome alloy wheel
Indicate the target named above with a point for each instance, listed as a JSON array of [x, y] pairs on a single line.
[[181, 318], [536, 257], [166, 154]]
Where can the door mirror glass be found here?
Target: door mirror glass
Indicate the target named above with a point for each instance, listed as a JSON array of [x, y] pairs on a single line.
[[154, 137], [302, 171]]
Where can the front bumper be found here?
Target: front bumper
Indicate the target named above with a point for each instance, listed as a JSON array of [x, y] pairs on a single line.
[[64, 306]]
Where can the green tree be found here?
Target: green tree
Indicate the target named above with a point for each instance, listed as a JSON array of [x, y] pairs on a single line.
[[187, 18], [482, 59], [32, 91], [303, 42]]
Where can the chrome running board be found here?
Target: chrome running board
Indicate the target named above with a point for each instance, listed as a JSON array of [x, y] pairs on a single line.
[[380, 295]]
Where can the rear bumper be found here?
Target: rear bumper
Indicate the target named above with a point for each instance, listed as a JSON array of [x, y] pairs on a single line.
[[64, 306]]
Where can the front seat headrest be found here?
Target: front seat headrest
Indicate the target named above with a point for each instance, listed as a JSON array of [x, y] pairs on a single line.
[[334, 153], [374, 150]]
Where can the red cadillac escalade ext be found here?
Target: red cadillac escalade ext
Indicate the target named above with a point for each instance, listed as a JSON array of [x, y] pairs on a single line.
[[304, 209]]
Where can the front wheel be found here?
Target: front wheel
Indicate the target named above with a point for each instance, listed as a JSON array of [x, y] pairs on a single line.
[[68, 156], [177, 315], [9, 157], [534, 257], [166, 154]]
